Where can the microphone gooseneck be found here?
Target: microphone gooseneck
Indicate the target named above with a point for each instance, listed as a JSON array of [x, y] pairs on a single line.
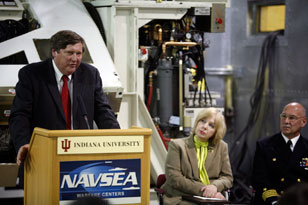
[[84, 111]]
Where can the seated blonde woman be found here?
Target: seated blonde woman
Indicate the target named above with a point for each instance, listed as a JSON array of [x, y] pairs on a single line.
[[199, 164]]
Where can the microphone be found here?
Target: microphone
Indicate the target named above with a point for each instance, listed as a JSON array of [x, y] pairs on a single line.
[[83, 110]]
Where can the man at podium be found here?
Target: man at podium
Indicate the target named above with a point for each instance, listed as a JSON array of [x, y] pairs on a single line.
[[58, 93]]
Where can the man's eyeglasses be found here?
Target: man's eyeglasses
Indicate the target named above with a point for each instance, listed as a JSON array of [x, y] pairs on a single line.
[[292, 118]]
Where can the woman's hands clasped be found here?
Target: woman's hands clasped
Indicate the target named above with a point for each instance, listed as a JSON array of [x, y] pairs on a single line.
[[210, 191]]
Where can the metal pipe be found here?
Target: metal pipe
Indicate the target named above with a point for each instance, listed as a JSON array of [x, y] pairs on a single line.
[[158, 33], [181, 93], [165, 98], [150, 85], [180, 44]]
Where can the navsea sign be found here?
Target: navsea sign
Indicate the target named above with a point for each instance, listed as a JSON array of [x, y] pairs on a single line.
[[118, 181]]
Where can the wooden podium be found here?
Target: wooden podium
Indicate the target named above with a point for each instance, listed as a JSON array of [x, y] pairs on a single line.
[[59, 164]]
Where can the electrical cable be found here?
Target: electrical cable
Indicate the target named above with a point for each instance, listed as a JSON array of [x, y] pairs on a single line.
[[149, 96], [196, 54], [265, 76], [150, 85], [266, 59]]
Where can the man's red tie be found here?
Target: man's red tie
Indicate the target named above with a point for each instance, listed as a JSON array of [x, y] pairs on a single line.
[[66, 102]]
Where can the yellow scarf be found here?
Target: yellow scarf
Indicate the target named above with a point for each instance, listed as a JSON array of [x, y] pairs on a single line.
[[201, 148]]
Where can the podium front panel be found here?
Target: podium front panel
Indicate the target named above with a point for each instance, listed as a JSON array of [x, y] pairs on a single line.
[[52, 178], [118, 181]]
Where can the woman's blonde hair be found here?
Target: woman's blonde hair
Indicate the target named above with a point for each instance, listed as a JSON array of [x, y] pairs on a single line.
[[220, 123]]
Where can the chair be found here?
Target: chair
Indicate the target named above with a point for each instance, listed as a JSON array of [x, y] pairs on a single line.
[[160, 192]]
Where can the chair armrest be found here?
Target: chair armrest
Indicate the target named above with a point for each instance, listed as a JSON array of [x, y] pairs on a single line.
[[159, 191]]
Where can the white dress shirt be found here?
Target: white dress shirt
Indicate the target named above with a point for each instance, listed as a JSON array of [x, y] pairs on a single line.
[[59, 80]]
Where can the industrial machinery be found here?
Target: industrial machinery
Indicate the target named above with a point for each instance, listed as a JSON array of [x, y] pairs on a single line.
[[175, 69], [158, 48]]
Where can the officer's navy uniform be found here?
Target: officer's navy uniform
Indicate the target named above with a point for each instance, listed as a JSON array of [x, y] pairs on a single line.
[[276, 167]]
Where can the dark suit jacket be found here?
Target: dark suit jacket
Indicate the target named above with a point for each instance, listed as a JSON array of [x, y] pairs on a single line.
[[276, 167], [38, 102], [182, 173]]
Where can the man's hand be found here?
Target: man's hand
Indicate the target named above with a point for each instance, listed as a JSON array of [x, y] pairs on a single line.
[[22, 153], [209, 191]]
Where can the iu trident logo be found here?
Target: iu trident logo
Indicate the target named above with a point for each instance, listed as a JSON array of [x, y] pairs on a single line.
[[66, 144]]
